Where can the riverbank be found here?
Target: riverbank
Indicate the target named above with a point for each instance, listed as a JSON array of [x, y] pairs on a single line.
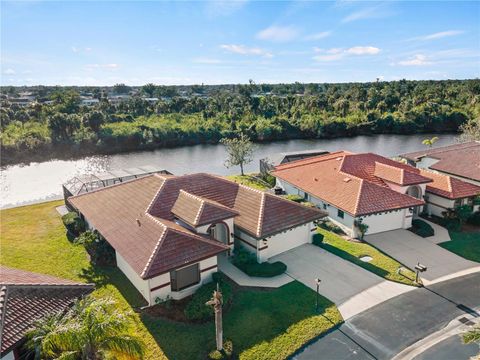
[[42, 181]]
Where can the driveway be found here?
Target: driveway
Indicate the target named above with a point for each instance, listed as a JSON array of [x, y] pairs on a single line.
[[410, 249], [350, 287]]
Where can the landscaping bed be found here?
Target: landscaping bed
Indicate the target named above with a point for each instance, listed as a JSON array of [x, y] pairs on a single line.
[[421, 228], [380, 264], [247, 262], [251, 180], [262, 324]]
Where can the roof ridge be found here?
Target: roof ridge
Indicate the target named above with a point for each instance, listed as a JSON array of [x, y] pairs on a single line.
[[357, 200], [261, 214], [157, 246], [312, 160], [3, 306], [199, 237], [155, 197]]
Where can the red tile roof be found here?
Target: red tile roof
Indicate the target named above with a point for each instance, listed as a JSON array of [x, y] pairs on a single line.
[[449, 187], [459, 159], [26, 297], [348, 182], [145, 234]]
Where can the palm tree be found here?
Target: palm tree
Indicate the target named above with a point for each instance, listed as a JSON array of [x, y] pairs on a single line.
[[430, 142], [93, 329]]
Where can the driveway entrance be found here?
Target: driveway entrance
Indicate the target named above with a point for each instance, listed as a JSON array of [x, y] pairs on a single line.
[[349, 286], [410, 249]]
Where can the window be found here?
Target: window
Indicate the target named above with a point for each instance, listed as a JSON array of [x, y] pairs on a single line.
[[340, 214], [324, 206], [457, 203], [183, 278]]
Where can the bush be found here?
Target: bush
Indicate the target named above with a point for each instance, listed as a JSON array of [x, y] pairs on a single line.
[[73, 223], [330, 226], [317, 239], [296, 198], [196, 309], [421, 228], [474, 219], [247, 262], [100, 251], [226, 353]]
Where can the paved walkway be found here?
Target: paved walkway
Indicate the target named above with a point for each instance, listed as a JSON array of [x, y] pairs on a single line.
[[410, 249], [352, 288], [243, 279], [441, 234]]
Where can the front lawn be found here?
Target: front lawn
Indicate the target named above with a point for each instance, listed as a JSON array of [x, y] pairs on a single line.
[[263, 324], [381, 264], [465, 244]]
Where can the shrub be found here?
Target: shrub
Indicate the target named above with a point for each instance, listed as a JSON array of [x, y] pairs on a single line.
[[296, 198], [73, 223], [196, 309], [421, 228], [100, 251], [269, 179], [474, 219], [247, 262], [317, 239], [226, 353], [330, 226]]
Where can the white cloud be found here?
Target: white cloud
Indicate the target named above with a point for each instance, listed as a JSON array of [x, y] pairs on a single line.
[[278, 33], [417, 60], [245, 50], [203, 60], [363, 50], [77, 50], [215, 8], [438, 35], [339, 53], [9, 72], [318, 36], [375, 12], [110, 66]]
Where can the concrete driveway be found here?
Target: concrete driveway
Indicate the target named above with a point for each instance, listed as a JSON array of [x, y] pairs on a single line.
[[409, 249], [349, 286]]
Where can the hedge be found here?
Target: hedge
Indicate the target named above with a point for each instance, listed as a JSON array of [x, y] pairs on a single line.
[[247, 262], [421, 228]]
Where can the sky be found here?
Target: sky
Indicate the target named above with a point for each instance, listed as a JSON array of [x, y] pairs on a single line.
[[219, 42]]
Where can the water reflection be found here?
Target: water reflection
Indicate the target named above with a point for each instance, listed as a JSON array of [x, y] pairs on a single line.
[[23, 184]]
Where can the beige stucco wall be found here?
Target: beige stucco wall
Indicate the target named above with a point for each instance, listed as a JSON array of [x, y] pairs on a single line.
[[140, 284], [437, 204]]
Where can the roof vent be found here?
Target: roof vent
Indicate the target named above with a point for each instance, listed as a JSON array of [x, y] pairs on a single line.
[[347, 179], [338, 158], [138, 222], [316, 179]]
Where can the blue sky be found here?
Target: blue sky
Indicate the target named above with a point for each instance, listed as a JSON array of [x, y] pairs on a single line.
[[106, 42]]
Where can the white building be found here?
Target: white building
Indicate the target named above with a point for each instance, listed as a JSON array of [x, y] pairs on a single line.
[[167, 231]]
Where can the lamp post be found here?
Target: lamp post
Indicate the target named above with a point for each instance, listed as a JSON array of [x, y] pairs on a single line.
[[317, 282], [419, 268]]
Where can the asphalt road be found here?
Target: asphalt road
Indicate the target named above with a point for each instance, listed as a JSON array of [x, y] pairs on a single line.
[[448, 349], [386, 329]]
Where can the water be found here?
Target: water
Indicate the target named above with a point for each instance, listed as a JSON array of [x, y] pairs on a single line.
[[36, 182]]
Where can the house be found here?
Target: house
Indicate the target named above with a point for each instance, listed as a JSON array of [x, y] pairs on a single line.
[[167, 231], [461, 161], [369, 188], [269, 163], [26, 297], [89, 101]]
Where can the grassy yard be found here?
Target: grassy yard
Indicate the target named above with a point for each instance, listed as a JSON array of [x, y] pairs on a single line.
[[464, 244], [262, 324], [381, 264], [248, 180]]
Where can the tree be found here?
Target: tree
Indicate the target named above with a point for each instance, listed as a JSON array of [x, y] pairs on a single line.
[[462, 213], [430, 142], [149, 89], [239, 151], [121, 89], [362, 228], [94, 120], [93, 329], [470, 130]]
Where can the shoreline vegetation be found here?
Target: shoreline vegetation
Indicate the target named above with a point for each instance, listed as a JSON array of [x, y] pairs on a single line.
[[57, 123]]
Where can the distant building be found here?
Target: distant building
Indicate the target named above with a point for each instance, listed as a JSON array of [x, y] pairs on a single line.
[[26, 297], [461, 161], [90, 102], [269, 163]]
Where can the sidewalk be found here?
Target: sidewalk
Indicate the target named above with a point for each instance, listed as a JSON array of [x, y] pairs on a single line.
[[243, 279]]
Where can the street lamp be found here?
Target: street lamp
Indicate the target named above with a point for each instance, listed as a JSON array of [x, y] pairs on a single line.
[[419, 268], [317, 282]]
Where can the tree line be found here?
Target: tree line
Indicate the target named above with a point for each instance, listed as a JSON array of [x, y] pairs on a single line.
[[206, 114]]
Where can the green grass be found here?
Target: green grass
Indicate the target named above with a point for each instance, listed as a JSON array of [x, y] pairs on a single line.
[[466, 245], [262, 324], [249, 180], [381, 264]]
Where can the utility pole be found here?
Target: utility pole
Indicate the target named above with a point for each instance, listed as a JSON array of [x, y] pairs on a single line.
[[216, 302]]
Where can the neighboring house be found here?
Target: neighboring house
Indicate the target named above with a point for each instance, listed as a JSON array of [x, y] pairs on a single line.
[[459, 160], [167, 231], [90, 102], [26, 297], [269, 163], [369, 188]]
